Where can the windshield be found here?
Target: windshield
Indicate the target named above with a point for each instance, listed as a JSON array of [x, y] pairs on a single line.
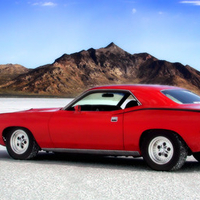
[[101, 98], [104, 100], [182, 96]]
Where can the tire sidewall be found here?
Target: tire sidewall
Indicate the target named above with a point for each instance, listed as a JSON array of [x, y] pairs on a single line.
[[13, 154], [175, 143]]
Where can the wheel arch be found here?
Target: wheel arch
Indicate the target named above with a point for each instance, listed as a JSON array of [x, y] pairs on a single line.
[[151, 131], [8, 129]]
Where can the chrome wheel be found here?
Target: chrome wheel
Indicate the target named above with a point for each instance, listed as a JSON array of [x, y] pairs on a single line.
[[161, 150], [21, 144], [19, 141], [164, 150]]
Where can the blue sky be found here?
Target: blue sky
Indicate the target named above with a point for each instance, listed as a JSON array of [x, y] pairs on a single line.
[[36, 32]]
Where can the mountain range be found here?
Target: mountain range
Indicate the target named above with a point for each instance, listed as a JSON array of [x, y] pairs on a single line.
[[71, 74]]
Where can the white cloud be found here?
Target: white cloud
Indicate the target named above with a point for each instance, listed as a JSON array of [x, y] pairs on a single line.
[[134, 10], [196, 3], [50, 4]]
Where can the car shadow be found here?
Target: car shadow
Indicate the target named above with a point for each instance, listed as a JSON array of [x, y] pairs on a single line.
[[96, 161]]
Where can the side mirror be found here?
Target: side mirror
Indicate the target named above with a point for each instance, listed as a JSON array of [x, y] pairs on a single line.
[[77, 108]]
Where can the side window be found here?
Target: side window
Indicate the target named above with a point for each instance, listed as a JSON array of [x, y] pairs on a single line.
[[100, 101], [105, 101]]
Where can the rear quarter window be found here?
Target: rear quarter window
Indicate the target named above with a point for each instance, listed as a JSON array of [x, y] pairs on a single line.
[[182, 96]]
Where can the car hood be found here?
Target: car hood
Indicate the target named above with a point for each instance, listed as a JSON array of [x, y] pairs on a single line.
[[40, 110]]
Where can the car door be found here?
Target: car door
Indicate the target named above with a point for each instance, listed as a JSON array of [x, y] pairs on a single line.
[[87, 129]]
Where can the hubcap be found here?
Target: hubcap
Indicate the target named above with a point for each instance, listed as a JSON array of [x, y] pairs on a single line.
[[161, 150], [19, 141]]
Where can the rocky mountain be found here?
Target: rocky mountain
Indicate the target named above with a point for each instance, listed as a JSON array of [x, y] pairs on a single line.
[[73, 73], [10, 71]]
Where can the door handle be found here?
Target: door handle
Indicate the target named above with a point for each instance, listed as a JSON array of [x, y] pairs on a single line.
[[114, 119]]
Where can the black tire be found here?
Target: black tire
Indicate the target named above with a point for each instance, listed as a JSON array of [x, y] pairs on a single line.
[[21, 144], [197, 156], [164, 151]]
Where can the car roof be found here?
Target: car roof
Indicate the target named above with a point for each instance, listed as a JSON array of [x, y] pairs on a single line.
[[133, 87]]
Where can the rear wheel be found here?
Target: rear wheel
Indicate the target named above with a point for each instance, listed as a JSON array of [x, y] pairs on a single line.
[[20, 144], [164, 151]]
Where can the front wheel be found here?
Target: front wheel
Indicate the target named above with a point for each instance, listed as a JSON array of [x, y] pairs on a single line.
[[20, 144], [164, 151]]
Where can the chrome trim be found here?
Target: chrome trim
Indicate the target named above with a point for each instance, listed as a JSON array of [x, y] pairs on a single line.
[[95, 151], [114, 119]]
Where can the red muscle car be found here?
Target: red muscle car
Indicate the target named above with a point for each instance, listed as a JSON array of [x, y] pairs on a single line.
[[159, 123]]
